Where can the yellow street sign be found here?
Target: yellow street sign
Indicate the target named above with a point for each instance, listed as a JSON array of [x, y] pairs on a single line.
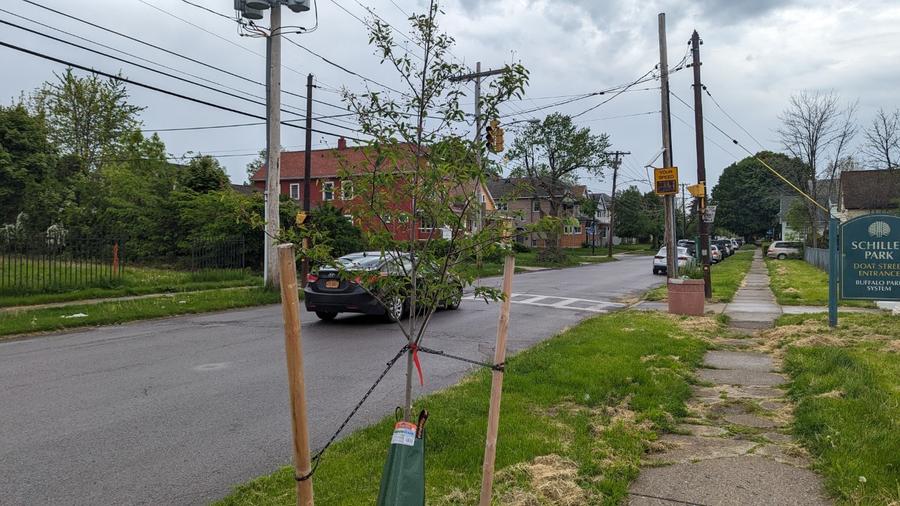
[[665, 180], [697, 190]]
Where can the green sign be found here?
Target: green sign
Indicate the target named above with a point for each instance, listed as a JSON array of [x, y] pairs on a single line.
[[870, 258]]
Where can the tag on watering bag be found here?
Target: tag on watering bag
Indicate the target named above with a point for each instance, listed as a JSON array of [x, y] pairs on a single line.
[[404, 434]]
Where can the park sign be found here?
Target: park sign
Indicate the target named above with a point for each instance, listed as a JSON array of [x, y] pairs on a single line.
[[870, 258]]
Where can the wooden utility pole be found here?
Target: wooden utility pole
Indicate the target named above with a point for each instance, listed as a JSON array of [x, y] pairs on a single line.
[[293, 348], [307, 164], [273, 143], [490, 447], [701, 165], [683, 213], [671, 251], [617, 160]]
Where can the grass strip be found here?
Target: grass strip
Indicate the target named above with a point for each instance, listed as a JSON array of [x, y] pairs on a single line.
[[797, 283], [106, 313], [587, 403], [845, 384], [726, 275], [134, 281]]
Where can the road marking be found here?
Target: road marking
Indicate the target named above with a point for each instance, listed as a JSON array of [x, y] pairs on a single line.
[[211, 367], [557, 302]]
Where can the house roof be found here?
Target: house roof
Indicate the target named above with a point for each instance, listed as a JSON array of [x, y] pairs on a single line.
[[522, 188], [326, 163], [871, 189]]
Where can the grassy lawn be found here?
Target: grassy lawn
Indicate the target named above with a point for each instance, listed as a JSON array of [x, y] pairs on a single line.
[[587, 403], [726, 275], [134, 281], [846, 383], [575, 257], [797, 283], [106, 313]]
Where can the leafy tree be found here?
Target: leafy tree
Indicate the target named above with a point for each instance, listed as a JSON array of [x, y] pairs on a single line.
[[26, 158], [86, 116], [420, 174], [256, 164], [630, 218], [747, 195], [203, 174], [654, 218], [550, 154]]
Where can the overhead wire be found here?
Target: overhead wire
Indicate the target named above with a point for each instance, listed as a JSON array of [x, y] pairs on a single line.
[[158, 89]]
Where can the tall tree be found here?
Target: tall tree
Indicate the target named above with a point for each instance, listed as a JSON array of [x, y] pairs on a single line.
[[549, 155], [86, 116], [203, 174], [817, 130], [747, 194], [882, 140]]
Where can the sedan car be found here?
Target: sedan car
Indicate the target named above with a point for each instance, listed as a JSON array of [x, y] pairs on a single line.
[[715, 254], [659, 261], [331, 290], [785, 249]]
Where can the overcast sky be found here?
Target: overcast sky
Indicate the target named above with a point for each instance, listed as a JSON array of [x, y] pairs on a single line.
[[756, 53]]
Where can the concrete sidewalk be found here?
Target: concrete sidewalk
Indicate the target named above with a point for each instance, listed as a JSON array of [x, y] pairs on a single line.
[[736, 446]]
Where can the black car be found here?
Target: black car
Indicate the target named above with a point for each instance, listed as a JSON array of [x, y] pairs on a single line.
[[329, 291]]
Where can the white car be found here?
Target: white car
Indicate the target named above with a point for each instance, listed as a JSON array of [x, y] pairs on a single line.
[[659, 261], [715, 256]]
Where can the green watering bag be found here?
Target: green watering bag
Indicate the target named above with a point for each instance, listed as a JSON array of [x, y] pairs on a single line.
[[403, 478]]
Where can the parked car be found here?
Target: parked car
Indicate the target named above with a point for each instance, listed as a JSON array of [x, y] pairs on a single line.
[[690, 245], [715, 254], [785, 249], [724, 247], [659, 261], [329, 292], [734, 244]]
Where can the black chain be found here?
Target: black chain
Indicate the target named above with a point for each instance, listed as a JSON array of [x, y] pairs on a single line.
[[497, 367], [318, 456]]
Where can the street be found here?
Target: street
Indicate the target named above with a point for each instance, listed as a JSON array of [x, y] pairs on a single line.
[[180, 410]]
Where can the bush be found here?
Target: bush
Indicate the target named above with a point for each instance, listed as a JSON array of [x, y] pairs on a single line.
[[519, 247]]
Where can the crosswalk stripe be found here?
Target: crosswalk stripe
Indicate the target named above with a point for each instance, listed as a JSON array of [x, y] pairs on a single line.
[[592, 306]]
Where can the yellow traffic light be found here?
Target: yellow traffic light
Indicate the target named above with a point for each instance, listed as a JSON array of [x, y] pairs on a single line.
[[697, 190]]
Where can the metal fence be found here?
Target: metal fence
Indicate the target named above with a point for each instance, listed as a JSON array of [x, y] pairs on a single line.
[[33, 265], [219, 253], [816, 256]]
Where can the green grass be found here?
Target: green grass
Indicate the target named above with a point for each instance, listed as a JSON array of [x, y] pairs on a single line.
[[596, 395], [134, 281], [106, 313], [797, 283], [726, 275], [848, 404], [574, 258]]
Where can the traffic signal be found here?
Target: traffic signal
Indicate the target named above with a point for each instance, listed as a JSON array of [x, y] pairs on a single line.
[[494, 136]]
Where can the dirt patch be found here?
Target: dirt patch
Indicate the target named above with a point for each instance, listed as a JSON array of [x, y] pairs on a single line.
[[791, 290], [892, 346], [548, 479], [834, 394]]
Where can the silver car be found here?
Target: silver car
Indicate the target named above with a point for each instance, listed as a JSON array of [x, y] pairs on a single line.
[[785, 249]]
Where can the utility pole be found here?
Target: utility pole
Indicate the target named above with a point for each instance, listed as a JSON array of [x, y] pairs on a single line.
[[273, 142], [307, 164], [617, 160], [683, 213], [671, 251], [701, 165]]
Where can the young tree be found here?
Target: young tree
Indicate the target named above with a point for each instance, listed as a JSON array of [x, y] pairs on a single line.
[[818, 131], [420, 176], [86, 116], [550, 154], [882, 140]]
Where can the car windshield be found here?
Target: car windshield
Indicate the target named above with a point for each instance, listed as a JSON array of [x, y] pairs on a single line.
[[683, 252]]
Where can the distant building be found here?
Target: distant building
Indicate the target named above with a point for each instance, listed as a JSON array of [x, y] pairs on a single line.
[[527, 205], [869, 192]]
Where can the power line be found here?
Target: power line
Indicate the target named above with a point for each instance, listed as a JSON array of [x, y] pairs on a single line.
[[341, 67], [620, 116], [207, 127], [158, 89], [732, 119], [633, 83], [170, 52]]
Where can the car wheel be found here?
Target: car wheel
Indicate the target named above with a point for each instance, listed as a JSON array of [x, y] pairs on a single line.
[[396, 309], [782, 256], [326, 315], [454, 301]]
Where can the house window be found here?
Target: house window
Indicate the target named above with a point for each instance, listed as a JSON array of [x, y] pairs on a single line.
[[535, 206], [533, 243], [346, 190], [328, 191], [295, 191]]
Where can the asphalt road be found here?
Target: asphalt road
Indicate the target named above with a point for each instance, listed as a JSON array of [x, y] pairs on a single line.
[[178, 411]]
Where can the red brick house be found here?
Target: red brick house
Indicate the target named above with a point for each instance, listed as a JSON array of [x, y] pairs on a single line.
[[326, 187]]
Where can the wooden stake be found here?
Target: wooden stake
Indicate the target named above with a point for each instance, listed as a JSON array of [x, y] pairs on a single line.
[[293, 347], [490, 446]]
